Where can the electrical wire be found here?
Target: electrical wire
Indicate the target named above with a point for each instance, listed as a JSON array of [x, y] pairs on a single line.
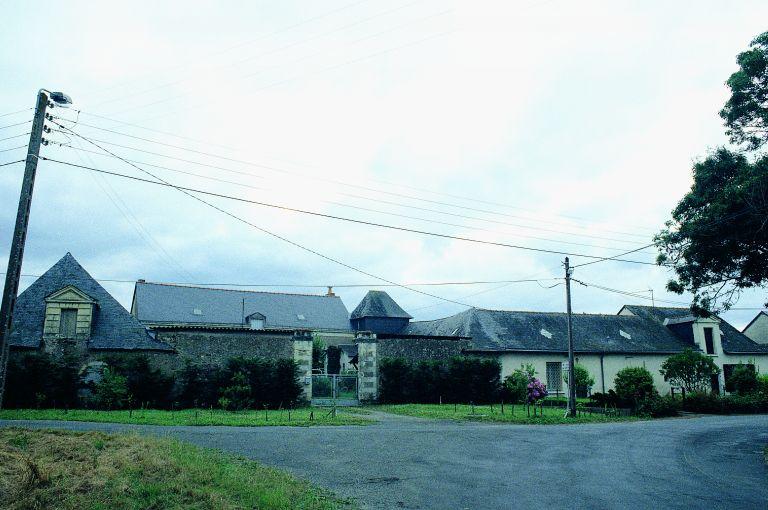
[[17, 124], [12, 162], [351, 206], [270, 233], [17, 111], [350, 185], [341, 218], [14, 148], [15, 136], [414, 188]]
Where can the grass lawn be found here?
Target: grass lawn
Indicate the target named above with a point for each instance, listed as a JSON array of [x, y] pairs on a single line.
[[512, 414], [49, 469], [297, 417]]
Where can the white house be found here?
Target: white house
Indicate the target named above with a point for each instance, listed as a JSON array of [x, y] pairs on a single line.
[[757, 329]]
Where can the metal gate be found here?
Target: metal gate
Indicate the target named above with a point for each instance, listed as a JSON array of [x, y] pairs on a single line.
[[332, 389]]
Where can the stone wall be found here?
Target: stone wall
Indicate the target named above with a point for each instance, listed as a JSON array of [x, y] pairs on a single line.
[[302, 355], [420, 349], [213, 347], [368, 367]]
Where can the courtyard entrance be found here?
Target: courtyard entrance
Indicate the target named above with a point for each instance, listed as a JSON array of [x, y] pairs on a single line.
[[334, 389]]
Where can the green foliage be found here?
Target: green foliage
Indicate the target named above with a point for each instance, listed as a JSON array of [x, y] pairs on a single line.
[[717, 240], [39, 380], [762, 384], [657, 406], [584, 380], [689, 369], [710, 403], [743, 380], [633, 385], [147, 386], [236, 396], [514, 389], [746, 112], [270, 383], [112, 390], [461, 379], [318, 355]]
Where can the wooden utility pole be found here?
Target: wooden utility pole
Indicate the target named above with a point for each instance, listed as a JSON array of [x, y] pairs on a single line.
[[571, 374], [13, 273]]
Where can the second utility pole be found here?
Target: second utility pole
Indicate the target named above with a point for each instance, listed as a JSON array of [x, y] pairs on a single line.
[[571, 375]]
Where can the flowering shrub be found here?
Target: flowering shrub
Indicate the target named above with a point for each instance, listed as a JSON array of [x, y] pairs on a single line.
[[536, 390]]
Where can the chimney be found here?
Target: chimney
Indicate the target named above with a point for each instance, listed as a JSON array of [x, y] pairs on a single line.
[[141, 280], [330, 292]]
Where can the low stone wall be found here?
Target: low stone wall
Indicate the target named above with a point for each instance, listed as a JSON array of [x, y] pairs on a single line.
[[420, 349], [212, 347]]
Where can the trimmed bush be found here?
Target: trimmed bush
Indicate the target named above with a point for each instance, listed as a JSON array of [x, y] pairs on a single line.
[[709, 403], [147, 386], [742, 380], [39, 380], [633, 385], [584, 381], [460, 380], [112, 390], [657, 406]]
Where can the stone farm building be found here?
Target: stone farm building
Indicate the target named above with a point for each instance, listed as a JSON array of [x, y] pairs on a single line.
[[67, 310]]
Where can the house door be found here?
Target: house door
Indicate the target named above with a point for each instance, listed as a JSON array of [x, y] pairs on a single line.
[[716, 384]]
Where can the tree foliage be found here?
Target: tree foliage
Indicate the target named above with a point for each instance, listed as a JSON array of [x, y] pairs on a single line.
[[746, 112], [633, 386], [717, 241], [690, 370]]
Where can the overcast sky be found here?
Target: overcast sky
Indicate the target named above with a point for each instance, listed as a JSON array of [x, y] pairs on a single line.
[[565, 126]]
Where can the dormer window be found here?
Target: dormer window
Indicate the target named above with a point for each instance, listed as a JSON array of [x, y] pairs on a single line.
[[256, 321], [709, 340], [69, 314]]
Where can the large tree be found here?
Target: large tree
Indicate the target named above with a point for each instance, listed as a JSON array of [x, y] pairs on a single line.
[[717, 240], [746, 112]]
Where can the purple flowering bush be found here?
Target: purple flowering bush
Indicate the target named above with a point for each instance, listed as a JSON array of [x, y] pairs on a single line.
[[536, 390]]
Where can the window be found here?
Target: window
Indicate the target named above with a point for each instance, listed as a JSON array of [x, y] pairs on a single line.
[[257, 323], [555, 376], [709, 340], [68, 323]]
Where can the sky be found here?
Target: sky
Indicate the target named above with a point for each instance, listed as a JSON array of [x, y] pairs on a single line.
[[562, 126]]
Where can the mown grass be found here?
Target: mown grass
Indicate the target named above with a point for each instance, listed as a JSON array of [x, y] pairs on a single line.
[[493, 414], [46, 469], [302, 417]]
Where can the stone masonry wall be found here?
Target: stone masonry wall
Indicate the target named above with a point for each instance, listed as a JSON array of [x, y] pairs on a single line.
[[368, 367], [302, 355], [421, 349]]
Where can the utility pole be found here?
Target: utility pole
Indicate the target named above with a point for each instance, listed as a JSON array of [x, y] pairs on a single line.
[[13, 274], [571, 374]]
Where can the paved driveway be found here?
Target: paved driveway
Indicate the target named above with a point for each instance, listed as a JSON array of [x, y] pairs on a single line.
[[711, 462]]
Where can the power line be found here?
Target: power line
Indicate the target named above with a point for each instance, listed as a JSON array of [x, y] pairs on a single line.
[[415, 188], [14, 136], [13, 162], [341, 218], [17, 124], [614, 257], [17, 111], [270, 233], [355, 186], [351, 206], [14, 148]]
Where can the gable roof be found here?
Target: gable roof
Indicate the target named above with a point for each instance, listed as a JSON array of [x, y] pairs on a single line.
[[161, 303], [761, 312], [733, 340], [378, 303], [499, 330], [112, 326]]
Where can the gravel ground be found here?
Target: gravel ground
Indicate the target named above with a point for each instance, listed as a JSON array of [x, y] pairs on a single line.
[[704, 462]]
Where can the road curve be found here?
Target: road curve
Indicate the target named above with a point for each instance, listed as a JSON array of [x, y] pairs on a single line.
[[706, 462]]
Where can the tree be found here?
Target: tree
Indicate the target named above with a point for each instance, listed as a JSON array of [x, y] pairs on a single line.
[[633, 385], [515, 387], [690, 370], [584, 380], [746, 112], [742, 380], [717, 240], [112, 390], [318, 355]]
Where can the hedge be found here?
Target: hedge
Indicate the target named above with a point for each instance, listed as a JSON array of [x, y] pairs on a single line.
[[460, 379]]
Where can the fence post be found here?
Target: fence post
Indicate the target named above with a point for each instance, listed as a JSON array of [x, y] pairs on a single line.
[[502, 407]]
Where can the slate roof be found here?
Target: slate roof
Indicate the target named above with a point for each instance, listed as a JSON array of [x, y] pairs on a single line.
[[377, 303], [734, 341], [112, 326], [160, 303], [497, 330]]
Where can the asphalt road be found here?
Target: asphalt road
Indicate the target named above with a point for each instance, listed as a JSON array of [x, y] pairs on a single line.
[[709, 462]]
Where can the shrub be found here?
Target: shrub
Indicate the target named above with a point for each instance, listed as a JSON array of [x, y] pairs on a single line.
[[633, 384], [147, 386], [657, 406], [461, 379], [318, 355], [199, 385], [690, 370], [709, 403], [536, 390], [237, 395], [515, 387], [584, 380], [609, 399], [39, 380], [742, 380], [762, 384], [112, 390]]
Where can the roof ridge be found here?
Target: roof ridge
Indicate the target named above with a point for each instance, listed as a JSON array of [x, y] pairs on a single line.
[[185, 286], [557, 313]]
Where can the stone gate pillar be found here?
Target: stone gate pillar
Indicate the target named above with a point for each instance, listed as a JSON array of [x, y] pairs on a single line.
[[368, 366], [302, 355]]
